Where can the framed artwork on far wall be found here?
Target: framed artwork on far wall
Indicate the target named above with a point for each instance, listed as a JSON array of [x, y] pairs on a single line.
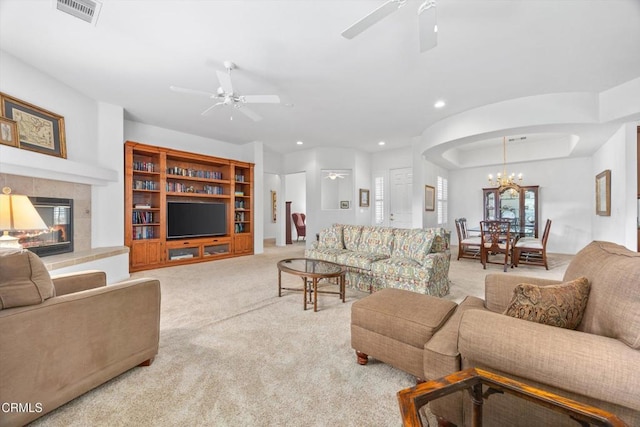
[[364, 198], [8, 132], [274, 205], [38, 129], [429, 198], [603, 193], [344, 204]]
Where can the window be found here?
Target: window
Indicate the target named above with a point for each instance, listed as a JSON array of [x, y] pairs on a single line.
[[378, 198], [442, 197]]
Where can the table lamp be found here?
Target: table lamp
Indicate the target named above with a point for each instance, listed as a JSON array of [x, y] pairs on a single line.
[[17, 213]]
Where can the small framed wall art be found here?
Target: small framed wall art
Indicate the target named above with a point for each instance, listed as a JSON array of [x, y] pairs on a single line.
[[429, 198], [274, 206], [344, 204], [38, 129], [8, 132], [603, 193], [364, 198]]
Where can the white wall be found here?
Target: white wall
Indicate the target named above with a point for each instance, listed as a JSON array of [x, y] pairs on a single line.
[[271, 183], [619, 155], [362, 180], [427, 174], [107, 202], [154, 135], [93, 139], [565, 197], [312, 162]]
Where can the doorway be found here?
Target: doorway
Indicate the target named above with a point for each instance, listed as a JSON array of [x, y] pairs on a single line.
[[400, 190], [296, 193]]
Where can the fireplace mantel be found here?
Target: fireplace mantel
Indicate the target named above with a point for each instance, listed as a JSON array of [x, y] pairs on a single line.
[[26, 163]]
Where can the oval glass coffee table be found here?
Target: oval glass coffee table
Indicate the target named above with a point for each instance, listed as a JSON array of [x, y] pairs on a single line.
[[313, 272]]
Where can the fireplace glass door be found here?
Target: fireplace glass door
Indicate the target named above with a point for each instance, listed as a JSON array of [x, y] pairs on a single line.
[[57, 214]]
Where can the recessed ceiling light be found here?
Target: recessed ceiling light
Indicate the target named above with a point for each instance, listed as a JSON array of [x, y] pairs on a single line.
[[381, 143], [439, 104], [299, 142]]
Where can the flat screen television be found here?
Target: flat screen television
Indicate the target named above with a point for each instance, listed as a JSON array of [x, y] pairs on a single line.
[[193, 219]]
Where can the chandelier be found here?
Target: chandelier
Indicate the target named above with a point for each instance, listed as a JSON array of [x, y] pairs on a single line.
[[503, 180]]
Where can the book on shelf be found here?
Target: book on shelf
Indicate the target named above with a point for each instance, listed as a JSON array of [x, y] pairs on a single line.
[[142, 206]]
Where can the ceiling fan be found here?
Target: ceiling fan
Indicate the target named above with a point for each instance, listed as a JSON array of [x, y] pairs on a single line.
[[334, 175], [226, 96], [427, 26]]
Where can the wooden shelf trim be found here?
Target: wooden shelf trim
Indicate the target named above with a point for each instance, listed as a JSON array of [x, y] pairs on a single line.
[[152, 166]]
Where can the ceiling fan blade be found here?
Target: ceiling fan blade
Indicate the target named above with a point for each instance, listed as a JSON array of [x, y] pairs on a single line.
[[427, 26], [225, 82], [192, 91], [249, 113], [260, 99], [205, 112], [383, 11]]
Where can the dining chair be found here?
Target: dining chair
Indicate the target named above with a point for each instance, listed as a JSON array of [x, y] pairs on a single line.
[[468, 246], [496, 240], [532, 249]]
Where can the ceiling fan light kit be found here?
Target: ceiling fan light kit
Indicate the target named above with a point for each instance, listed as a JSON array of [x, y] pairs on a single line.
[[225, 95], [427, 24]]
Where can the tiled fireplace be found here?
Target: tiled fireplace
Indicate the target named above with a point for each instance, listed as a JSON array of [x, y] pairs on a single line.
[[48, 195]]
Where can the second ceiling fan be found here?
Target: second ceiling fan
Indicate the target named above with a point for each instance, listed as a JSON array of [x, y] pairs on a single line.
[[427, 26], [225, 95]]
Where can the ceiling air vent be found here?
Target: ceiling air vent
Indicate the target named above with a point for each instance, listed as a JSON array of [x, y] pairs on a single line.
[[87, 10]]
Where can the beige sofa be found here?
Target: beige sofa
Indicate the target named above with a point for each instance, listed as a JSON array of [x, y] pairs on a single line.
[[597, 363], [384, 257], [61, 337]]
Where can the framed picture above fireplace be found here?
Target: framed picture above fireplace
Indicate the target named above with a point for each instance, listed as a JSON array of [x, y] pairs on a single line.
[[38, 129]]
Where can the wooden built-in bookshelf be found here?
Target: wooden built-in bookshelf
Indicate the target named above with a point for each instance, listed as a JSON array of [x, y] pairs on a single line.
[[156, 176]]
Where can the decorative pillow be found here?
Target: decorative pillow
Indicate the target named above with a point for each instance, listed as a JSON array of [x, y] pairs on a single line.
[[331, 238], [441, 240], [24, 280], [555, 305], [376, 240], [351, 235], [414, 244]]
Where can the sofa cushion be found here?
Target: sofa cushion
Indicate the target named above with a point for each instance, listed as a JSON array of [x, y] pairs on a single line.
[[414, 244], [24, 280], [376, 240], [555, 305], [403, 268], [351, 235], [614, 300], [361, 260], [324, 254], [331, 238]]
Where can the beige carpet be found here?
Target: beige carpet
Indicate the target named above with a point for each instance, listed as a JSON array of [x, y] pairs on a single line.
[[234, 354]]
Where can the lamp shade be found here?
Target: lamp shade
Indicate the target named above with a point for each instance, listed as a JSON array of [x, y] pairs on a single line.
[[18, 213]]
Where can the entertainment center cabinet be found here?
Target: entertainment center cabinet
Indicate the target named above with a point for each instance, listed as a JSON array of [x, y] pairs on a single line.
[[218, 192]]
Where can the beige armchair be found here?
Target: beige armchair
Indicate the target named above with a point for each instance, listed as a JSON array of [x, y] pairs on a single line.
[[61, 337], [597, 363]]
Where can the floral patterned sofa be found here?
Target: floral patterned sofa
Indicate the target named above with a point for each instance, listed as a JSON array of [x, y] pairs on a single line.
[[385, 257]]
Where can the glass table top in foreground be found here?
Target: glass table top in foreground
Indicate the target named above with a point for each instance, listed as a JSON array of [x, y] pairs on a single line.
[[311, 266]]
